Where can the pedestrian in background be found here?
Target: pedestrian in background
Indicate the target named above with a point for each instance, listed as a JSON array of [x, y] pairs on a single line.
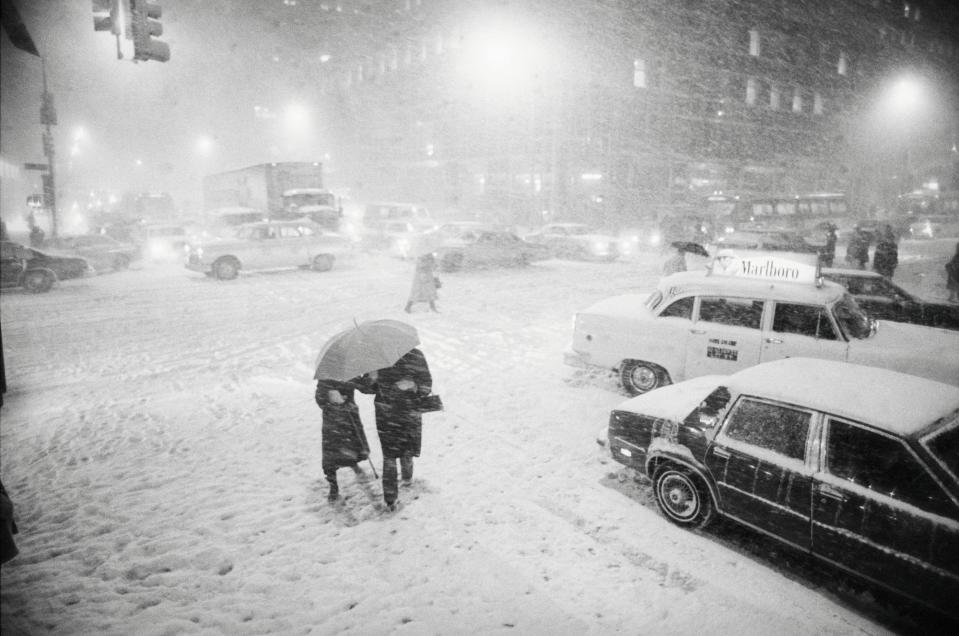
[[829, 250], [344, 441], [885, 258], [424, 283], [399, 423], [857, 252], [676, 262], [952, 276]]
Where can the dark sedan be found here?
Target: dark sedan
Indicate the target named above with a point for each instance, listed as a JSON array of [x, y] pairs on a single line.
[[883, 299], [35, 270]]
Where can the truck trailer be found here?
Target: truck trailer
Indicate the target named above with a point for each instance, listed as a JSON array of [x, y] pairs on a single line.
[[282, 190]]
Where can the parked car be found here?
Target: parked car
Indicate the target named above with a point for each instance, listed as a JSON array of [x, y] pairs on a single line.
[[576, 241], [935, 226], [103, 252], [466, 245], [868, 484], [640, 238], [885, 300], [268, 245], [704, 322], [35, 270]]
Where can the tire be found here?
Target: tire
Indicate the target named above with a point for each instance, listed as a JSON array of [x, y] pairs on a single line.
[[322, 263], [638, 376], [37, 281], [226, 268], [682, 498], [451, 262], [122, 261]]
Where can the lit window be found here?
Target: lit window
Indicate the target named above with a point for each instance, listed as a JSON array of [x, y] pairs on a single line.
[[906, 9], [817, 103], [751, 90], [774, 97], [754, 48], [639, 73], [797, 100], [843, 66]]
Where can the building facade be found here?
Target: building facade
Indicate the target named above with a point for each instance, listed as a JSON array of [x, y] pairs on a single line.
[[612, 110]]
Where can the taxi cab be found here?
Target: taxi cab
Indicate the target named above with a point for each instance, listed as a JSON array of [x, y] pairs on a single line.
[[748, 308]]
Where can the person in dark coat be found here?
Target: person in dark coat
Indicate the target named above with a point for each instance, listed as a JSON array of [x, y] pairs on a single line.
[[398, 422], [952, 276], [344, 441], [857, 252], [886, 256], [829, 249]]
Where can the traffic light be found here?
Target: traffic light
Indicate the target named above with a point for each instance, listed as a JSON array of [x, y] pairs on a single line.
[[144, 27], [107, 16]]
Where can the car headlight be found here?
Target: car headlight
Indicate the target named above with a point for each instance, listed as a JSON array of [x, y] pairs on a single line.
[[655, 238]]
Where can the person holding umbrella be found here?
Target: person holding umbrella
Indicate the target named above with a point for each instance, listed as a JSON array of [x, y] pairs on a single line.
[[399, 423], [344, 441]]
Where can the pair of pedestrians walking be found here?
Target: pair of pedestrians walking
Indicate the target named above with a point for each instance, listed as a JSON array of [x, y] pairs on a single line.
[[397, 391]]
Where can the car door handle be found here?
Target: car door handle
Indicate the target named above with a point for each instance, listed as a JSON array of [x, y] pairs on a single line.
[[721, 452], [831, 492], [774, 340], [697, 331]]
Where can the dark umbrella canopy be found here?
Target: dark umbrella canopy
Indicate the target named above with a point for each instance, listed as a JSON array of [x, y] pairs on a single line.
[[691, 247], [368, 346]]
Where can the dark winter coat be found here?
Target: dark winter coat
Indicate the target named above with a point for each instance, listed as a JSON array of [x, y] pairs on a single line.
[[952, 272], [344, 441], [857, 252], [398, 423], [886, 256]]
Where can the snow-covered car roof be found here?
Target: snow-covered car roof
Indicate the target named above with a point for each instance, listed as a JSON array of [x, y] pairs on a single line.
[[702, 283], [896, 402]]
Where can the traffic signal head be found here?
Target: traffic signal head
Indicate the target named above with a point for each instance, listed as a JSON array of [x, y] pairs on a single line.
[[107, 16], [144, 27]]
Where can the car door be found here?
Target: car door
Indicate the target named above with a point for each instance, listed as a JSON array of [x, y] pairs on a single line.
[[801, 330], [257, 251], [759, 462], [878, 511], [725, 337], [292, 247]]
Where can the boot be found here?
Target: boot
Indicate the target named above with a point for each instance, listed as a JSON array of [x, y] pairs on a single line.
[[433, 307], [334, 493], [408, 307]]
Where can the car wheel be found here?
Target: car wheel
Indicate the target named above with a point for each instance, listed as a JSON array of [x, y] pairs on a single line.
[[122, 261], [37, 281], [682, 498], [226, 268], [451, 262], [638, 376], [323, 262]]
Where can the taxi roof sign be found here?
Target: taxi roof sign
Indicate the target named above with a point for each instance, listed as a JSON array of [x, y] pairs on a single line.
[[787, 267]]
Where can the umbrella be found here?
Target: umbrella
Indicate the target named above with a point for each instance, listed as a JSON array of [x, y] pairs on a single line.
[[691, 247], [368, 346]]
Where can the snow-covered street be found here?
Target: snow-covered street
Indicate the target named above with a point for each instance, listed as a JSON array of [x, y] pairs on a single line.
[[162, 448]]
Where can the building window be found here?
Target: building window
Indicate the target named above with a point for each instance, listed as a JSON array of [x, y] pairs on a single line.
[[639, 73], [797, 100], [843, 66], [754, 46], [817, 103], [752, 88], [906, 10], [774, 97]]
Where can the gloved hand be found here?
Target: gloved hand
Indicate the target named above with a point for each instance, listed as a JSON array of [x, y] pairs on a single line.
[[405, 385], [335, 397]]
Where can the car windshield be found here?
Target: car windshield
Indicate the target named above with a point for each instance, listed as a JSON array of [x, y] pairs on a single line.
[[944, 446], [853, 322]]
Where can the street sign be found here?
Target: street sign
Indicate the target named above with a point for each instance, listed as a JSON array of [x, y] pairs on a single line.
[[36, 166]]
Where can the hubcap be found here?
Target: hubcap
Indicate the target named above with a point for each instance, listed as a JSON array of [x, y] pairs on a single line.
[[679, 497], [643, 378]]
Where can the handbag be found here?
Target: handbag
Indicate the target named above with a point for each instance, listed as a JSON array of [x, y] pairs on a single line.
[[437, 283], [428, 404]]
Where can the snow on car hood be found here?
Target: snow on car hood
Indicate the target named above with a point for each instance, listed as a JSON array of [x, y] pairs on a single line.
[[675, 401], [927, 352], [628, 305]]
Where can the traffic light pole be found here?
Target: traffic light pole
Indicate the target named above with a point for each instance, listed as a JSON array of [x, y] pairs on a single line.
[[48, 117]]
